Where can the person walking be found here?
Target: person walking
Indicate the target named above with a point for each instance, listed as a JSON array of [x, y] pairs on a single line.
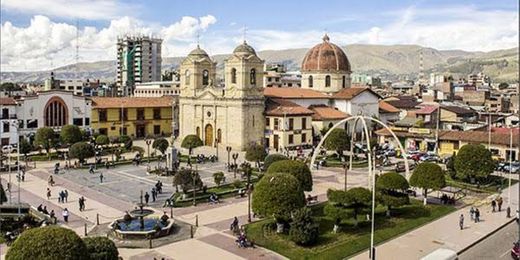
[[65, 215], [154, 194], [48, 193], [66, 193], [472, 213], [477, 215], [82, 203], [60, 197], [493, 205], [91, 169], [461, 221], [146, 197], [101, 177], [500, 201], [508, 212]]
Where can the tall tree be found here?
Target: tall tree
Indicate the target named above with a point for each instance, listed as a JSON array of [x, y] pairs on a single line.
[[70, 134], [81, 151], [46, 138], [392, 189], [474, 161], [428, 176], [255, 153], [297, 169], [337, 140]]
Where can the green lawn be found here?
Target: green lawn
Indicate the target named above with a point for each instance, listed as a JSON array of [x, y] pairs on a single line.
[[494, 184], [350, 240]]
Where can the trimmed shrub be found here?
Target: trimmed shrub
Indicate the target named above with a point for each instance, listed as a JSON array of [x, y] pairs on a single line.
[[304, 231], [297, 169], [218, 177], [101, 248], [81, 151], [102, 140], [273, 158], [49, 242]]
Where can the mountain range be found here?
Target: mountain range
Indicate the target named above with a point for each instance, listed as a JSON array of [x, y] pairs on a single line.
[[390, 62]]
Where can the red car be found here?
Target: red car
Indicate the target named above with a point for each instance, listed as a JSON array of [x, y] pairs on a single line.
[[417, 156]]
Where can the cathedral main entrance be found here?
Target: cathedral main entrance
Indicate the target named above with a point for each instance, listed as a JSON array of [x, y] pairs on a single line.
[[208, 135]]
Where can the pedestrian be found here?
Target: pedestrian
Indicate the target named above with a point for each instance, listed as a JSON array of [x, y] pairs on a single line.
[[44, 210], [477, 215], [472, 213], [499, 203], [52, 214], [82, 203], [23, 174], [106, 165], [60, 197], [146, 197], [66, 193], [461, 221], [51, 180], [65, 215], [91, 169], [101, 177], [48, 193], [493, 205], [154, 194]]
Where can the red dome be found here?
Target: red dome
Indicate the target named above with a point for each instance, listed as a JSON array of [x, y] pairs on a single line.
[[326, 56]]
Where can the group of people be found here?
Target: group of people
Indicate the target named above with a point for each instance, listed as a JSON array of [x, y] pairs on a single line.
[[241, 241], [43, 209], [81, 202], [155, 192], [474, 214], [445, 199], [497, 203], [63, 196]]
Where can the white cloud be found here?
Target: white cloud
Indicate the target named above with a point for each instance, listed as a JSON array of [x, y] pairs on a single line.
[[82, 9]]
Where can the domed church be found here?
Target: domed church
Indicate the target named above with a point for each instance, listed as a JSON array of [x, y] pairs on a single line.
[[326, 68]]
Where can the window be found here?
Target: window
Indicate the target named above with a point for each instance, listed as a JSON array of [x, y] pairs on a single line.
[[5, 113], [156, 113], [102, 115], [205, 77], [187, 75], [343, 81], [291, 123], [304, 123], [77, 121], [311, 82], [252, 77], [124, 115], [276, 124], [56, 112], [267, 122], [123, 132], [233, 75], [456, 145], [140, 114], [327, 81], [32, 123], [87, 121], [103, 131], [304, 138], [291, 139], [156, 129], [6, 127]]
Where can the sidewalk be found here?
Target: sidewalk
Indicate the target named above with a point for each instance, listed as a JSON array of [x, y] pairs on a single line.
[[445, 232]]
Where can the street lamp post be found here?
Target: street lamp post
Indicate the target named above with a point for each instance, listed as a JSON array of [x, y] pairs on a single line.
[[148, 143], [194, 175], [228, 149], [235, 157], [345, 167], [247, 170]]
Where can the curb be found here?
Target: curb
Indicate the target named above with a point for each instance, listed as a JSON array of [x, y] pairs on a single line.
[[486, 236]]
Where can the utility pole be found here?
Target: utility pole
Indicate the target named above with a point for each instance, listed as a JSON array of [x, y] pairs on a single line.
[[437, 129]]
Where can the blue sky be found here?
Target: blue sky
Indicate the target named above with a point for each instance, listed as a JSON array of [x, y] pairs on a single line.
[[468, 25]]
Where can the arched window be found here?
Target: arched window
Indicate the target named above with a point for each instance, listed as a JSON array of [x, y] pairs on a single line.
[[252, 77], [187, 76], [343, 82], [205, 77], [198, 132], [56, 112], [311, 82], [327, 81], [233, 75]]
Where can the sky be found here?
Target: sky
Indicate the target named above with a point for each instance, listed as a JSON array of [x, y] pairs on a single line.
[[44, 34]]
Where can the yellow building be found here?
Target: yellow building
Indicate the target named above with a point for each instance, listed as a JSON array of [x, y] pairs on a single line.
[[287, 125], [136, 117]]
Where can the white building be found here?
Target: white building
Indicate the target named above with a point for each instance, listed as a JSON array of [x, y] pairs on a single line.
[[54, 109], [157, 89], [8, 121]]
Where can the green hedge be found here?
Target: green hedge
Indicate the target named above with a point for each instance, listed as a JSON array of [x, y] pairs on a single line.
[[101, 248]]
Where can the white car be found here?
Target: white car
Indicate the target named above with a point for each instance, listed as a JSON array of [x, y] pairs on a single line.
[[9, 149]]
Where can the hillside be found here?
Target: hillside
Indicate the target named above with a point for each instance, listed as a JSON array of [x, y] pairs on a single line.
[[387, 61]]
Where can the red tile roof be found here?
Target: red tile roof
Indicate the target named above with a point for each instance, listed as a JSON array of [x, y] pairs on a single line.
[[7, 101], [280, 107], [426, 110], [385, 107], [293, 93], [323, 112], [117, 102], [349, 93], [479, 137]]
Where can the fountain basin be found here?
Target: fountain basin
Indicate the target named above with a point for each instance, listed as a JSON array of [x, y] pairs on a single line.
[[153, 228]]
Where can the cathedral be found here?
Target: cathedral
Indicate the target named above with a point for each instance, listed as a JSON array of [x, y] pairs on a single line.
[[230, 116]]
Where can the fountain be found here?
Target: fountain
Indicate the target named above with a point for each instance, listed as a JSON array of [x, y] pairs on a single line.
[[135, 225]]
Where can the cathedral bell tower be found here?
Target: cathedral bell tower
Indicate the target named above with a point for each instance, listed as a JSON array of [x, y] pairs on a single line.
[[197, 71]]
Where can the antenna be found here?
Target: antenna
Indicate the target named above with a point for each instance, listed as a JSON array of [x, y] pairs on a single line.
[[198, 38], [244, 33]]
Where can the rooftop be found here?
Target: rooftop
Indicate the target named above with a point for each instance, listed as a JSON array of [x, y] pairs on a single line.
[[349, 93], [323, 112], [387, 108], [281, 107], [293, 93], [7, 101]]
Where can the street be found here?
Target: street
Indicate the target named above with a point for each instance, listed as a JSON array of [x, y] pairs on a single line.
[[496, 246]]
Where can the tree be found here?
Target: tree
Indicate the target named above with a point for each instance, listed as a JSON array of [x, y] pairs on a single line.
[[102, 140], [186, 178], [428, 176], [474, 161], [271, 158], [297, 169], [354, 200], [503, 85], [45, 137], [218, 177], [337, 140], [101, 248], [81, 151], [25, 146], [277, 195], [51, 242], [3, 198], [450, 165], [304, 230], [255, 153], [191, 142], [10, 87], [126, 141], [70, 134], [160, 144], [392, 189]]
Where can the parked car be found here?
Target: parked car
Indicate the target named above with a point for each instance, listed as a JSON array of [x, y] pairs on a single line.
[[8, 149], [417, 156], [390, 152], [400, 166], [429, 158], [515, 167]]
